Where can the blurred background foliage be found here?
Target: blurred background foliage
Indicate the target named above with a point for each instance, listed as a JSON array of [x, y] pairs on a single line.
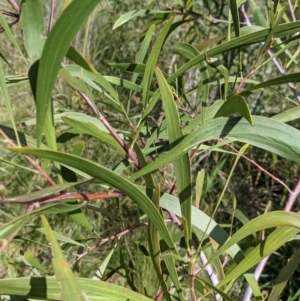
[[253, 190]]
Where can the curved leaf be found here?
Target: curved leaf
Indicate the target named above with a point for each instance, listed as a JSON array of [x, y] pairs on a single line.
[[110, 178], [267, 134], [55, 48], [138, 13], [235, 104], [182, 164], [48, 288]]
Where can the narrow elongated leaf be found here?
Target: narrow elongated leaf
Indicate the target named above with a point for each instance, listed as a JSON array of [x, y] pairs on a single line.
[[268, 220], [152, 60], [31, 260], [215, 63], [32, 23], [70, 290], [235, 16], [284, 275], [274, 241], [61, 237], [55, 49], [235, 104], [110, 178], [138, 13], [11, 37], [170, 264], [265, 133], [143, 49], [182, 164], [100, 272], [288, 115], [201, 221], [48, 288], [11, 228], [92, 129], [154, 246], [4, 92], [88, 76], [284, 79], [77, 58], [76, 84], [248, 39]]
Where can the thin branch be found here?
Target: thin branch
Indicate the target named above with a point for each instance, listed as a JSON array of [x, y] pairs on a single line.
[[14, 5], [65, 196], [50, 22], [112, 131], [260, 168], [104, 240]]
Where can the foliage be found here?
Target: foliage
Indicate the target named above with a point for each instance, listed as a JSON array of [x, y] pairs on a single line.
[[160, 135]]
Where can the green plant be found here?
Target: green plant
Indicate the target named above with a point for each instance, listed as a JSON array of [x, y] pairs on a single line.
[[147, 120]]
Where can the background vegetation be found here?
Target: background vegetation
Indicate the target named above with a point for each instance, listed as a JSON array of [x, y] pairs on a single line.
[[133, 155]]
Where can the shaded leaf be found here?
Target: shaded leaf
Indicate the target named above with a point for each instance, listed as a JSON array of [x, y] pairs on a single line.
[[265, 133], [138, 13], [235, 104]]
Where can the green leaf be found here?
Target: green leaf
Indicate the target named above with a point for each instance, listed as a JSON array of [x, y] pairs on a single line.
[[216, 64], [235, 16], [100, 272], [154, 246], [48, 288], [288, 115], [268, 220], [249, 39], [90, 125], [61, 237], [235, 104], [70, 289], [274, 241], [143, 49], [182, 164], [284, 275], [88, 76], [77, 58], [152, 60], [56, 47], [7, 101], [12, 228], [31, 260], [283, 79], [199, 187], [76, 84], [265, 133], [138, 13], [11, 37], [32, 24], [110, 178]]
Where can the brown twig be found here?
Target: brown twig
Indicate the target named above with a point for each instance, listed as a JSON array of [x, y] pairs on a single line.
[[104, 240], [30, 160], [65, 196], [112, 131]]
